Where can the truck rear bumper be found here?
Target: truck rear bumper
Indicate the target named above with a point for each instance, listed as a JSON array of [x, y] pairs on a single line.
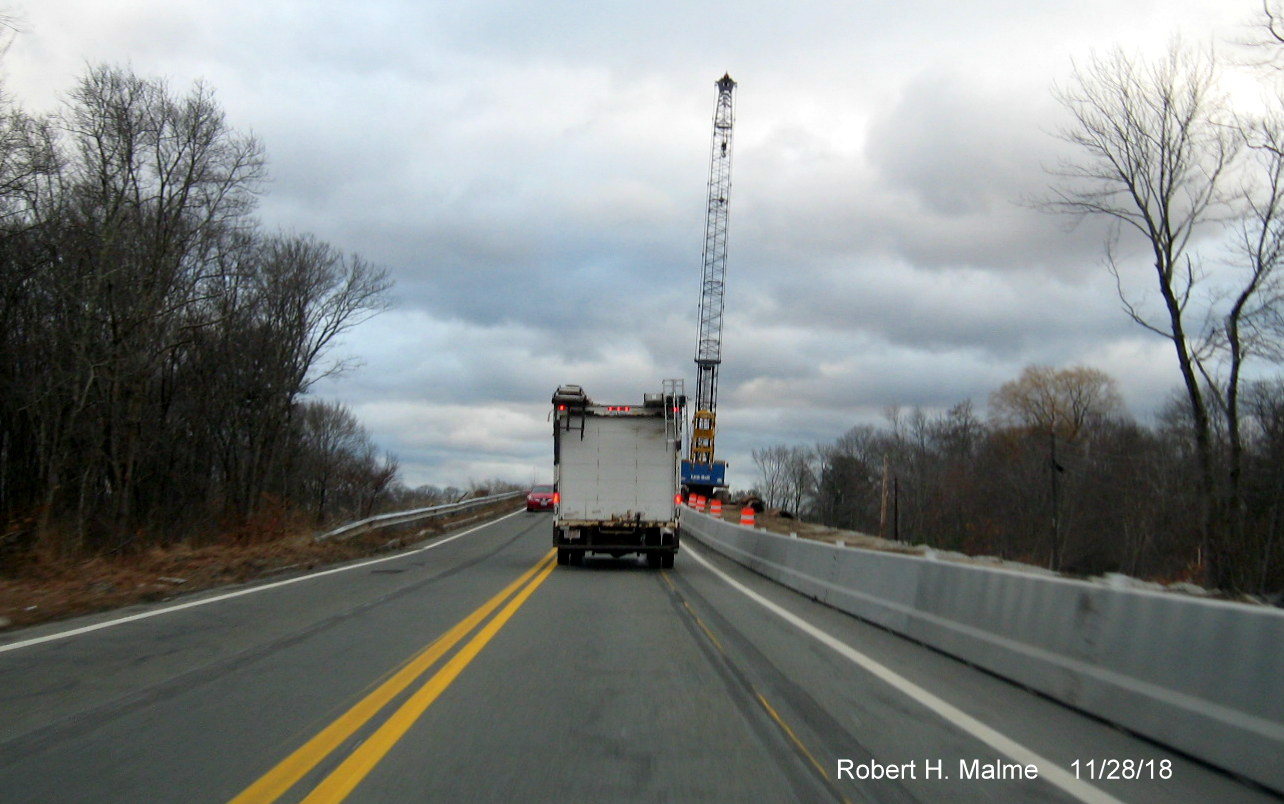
[[580, 547], [595, 537], [621, 525]]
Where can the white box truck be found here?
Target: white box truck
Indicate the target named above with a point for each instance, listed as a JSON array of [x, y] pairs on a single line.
[[615, 475]]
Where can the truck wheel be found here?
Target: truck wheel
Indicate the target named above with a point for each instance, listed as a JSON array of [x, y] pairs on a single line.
[[655, 560], [563, 557], [667, 560]]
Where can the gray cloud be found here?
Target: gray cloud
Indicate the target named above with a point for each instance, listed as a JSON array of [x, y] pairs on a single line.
[[533, 177]]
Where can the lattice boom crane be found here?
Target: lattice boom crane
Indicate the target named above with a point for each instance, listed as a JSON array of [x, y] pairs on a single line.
[[701, 473]]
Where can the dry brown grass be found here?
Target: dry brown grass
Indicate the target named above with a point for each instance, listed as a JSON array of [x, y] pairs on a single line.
[[44, 588]]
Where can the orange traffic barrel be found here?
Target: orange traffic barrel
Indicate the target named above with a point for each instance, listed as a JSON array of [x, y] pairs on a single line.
[[746, 516], [715, 507]]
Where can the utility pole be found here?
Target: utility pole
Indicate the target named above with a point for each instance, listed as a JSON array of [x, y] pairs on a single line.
[[896, 509], [882, 511], [1055, 469]]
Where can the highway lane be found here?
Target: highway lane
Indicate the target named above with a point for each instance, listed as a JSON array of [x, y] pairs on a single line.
[[607, 682]]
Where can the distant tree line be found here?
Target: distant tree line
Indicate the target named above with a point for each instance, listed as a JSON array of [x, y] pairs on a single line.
[[1057, 475], [400, 497], [155, 342]]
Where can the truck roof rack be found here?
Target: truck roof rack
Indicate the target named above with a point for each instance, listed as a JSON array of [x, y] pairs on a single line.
[[570, 395]]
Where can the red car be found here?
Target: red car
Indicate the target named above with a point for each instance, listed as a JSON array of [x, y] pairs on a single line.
[[540, 499]]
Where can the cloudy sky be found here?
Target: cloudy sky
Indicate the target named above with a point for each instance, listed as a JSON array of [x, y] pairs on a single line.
[[533, 177]]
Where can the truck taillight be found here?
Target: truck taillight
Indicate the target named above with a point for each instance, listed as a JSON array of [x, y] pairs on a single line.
[[557, 498], [677, 498]]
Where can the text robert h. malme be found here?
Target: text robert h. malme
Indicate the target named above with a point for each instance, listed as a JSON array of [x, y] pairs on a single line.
[[968, 769]]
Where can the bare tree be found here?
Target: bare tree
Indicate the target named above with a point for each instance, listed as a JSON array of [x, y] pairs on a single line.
[[1251, 326], [330, 437], [773, 468], [848, 480], [295, 295], [1262, 45], [310, 294], [800, 478], [1060, 401], [1155, 151]]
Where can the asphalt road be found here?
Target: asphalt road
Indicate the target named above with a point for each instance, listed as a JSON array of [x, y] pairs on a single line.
[[475, 669]]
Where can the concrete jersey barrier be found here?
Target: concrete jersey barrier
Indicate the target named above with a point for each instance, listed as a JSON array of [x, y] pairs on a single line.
[[1205, 677]]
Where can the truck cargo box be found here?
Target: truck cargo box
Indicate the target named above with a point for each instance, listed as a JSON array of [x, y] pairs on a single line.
[[616, 477]]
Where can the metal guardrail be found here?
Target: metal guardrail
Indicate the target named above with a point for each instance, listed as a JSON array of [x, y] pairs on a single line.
[[405, 517]]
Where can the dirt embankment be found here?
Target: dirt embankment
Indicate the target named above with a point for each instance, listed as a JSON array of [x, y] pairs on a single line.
[[37, 591], [777, 521]]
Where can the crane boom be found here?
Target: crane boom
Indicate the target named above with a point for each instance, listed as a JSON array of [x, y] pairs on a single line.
[[701, 472]]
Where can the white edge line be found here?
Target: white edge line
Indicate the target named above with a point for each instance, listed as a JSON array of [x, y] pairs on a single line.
[[239, 593], [1048, 770]]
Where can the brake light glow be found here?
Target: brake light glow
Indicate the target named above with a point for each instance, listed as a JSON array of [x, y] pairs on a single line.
[[619, 408], [677, 499], [557, 498]]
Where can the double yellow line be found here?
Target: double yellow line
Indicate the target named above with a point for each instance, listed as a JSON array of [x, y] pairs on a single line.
[[336, 786]]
